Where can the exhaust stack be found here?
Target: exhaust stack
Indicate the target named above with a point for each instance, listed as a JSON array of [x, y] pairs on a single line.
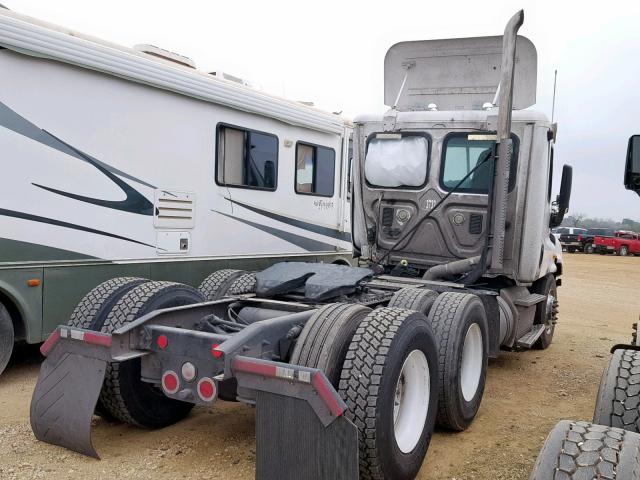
[[504, 143]]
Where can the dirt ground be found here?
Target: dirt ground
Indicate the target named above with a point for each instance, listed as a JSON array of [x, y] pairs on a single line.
[[526, 394]]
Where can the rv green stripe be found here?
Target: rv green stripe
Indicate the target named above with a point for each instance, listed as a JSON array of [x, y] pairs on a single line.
[[16, 251]]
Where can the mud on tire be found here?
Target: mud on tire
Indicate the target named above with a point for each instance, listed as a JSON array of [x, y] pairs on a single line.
[[124, 395], [618, 400], [582, 450], [373, 371]]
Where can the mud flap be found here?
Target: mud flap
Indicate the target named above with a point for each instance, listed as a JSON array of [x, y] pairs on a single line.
[[292, 443], [64, 400]]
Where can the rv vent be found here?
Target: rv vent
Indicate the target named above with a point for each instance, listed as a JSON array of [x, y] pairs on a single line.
[[475, 223], [174, 209], [229, 77], [165, 55]]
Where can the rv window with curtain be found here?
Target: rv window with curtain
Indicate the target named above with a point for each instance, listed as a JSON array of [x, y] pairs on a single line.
[[247, 158], [315, 170], [462, 152]]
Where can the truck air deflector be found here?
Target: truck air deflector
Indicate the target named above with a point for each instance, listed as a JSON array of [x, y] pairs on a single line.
[[456, 74]]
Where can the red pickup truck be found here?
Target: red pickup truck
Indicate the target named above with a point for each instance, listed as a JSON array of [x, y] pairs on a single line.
[[622, 243]]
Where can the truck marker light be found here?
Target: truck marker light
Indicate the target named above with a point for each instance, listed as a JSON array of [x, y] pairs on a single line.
[[170, 382], [206, 389], [189, 371], [215, 352], [162, 341], [34, 282]]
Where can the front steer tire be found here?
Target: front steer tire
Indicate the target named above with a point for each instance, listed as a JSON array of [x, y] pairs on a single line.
[[371, 375], [582, 450], [325, 339], [124, 395], [459, 322], [6, 337], [618, 400], [547, 310]]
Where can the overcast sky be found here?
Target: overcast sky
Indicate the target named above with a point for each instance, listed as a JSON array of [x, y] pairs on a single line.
[[331, 52]]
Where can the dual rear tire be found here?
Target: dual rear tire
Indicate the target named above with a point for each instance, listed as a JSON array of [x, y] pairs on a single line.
[[384, 366], [111, 305], [460, 326]]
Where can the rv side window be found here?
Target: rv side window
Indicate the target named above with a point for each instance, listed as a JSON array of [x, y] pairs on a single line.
[[247, 158], [315, 169], [464, 151]]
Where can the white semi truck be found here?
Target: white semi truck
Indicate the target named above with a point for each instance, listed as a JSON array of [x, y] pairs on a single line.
[[350, 368]]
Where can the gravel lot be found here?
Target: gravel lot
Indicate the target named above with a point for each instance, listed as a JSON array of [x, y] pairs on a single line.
[[526, 394]]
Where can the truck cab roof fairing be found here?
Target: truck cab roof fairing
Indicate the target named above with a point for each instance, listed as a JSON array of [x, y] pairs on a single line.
[[456, 74]]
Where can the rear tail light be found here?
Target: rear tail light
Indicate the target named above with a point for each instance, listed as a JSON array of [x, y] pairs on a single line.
[[162, 341], [215, 352], [206, 389], [579, 238], [170, 382]]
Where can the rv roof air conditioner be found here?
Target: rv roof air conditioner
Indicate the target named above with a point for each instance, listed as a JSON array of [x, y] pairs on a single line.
[[165, 55], [229, 77]]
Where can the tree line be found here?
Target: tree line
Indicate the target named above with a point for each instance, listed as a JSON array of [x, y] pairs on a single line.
[[583, 221]]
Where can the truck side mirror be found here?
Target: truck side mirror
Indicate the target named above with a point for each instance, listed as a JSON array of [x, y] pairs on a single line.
[[632, 168], [562, 200]]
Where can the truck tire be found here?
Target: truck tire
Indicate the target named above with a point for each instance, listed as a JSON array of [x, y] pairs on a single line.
[[624, 251], [325, 339], [618, 400], [589, 248], [459, 322], [389, 382], [124, 395], [417, 299], [583, 450], [92, 311], [6, 337], [227, 282], [547, 310]]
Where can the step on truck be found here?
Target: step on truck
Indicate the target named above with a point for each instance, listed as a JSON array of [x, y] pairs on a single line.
[[350, 368]]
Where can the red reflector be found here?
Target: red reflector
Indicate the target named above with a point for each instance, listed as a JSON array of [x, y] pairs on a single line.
[[170, 381], [162, 341], [206, 389], [215, 352]]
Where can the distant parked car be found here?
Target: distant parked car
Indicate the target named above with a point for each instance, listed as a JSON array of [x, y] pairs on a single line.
[[623, 243], [570, 238], [587, 238]]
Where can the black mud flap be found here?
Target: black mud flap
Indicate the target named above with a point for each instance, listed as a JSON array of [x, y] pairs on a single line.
[[293, 444], [64, 400]]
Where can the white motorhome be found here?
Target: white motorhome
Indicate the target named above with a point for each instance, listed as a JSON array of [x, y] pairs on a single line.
[[129, 161]]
